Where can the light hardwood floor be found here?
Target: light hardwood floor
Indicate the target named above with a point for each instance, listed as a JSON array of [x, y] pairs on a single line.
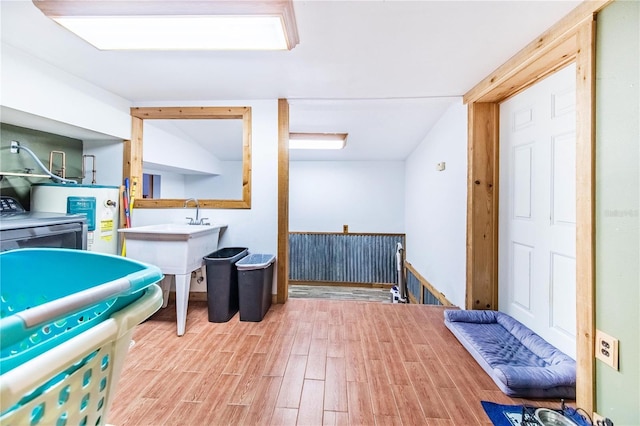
[[309, 362]]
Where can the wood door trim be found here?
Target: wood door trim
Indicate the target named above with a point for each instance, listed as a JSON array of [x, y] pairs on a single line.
[[585, 217], [554, 48], [482, 206], [571, 39]]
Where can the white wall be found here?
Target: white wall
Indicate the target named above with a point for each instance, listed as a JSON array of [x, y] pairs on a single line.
[[255, 228], [366, 195], [177, 151], [33, 86], [172, 185], [225, 186], [108, 169], [436, 205]]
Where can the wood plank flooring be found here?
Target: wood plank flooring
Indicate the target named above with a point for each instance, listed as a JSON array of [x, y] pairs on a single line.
[[309, 362]]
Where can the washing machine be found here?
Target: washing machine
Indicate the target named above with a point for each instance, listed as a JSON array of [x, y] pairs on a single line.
[[25, 229]]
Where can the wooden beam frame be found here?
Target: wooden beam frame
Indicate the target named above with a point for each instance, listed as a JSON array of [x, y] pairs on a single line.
[[570, 40], [283, 201], [132, 163], [482, 206]]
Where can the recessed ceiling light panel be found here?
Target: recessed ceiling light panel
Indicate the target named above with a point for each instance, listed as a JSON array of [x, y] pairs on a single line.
[[177, 25], [179, 32], [317, 140]]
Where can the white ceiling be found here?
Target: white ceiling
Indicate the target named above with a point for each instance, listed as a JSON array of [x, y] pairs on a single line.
[[382, 71]]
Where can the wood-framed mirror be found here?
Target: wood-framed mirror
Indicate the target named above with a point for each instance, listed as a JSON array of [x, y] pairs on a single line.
[[162, 118]]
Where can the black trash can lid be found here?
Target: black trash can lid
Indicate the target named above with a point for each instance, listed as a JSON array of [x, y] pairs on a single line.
[[255, 261], [225, 253]]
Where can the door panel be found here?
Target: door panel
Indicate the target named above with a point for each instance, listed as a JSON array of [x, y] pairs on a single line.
[[522, 275], [563, 289], [537, 209], [563, 184], [522, 181]]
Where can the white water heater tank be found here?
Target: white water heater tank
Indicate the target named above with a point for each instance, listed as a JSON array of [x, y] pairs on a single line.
[[98, 202]]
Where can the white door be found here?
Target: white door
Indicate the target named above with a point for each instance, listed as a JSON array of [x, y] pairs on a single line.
[[537, 228]]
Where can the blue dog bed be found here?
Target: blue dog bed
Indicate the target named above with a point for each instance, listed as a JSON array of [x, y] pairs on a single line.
[[519, 361]]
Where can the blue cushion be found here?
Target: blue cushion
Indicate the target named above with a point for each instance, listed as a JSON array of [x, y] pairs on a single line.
[[519, 361]]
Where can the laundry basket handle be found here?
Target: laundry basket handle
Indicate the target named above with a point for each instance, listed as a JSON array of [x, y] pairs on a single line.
[[73, 302], [14, 326]]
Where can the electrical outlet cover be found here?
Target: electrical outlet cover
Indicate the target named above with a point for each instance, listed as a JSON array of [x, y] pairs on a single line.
[[607, 349]]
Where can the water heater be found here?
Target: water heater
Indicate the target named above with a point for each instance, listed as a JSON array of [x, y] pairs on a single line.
[[98, 202]]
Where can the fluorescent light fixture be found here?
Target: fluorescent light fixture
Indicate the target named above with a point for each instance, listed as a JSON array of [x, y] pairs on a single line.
[[177, 25], [179, 32], [317, 140]]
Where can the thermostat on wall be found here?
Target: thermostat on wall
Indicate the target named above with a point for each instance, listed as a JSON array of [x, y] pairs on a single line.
[[440, 166]]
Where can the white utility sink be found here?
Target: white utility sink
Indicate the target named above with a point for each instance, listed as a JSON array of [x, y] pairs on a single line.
[[178, 250], [172, 229]]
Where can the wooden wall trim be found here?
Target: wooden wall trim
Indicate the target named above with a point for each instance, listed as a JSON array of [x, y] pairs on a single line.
[[551, 50], [132, 167], [247, 152], [426, 284], [132, 164], [166, 203], [482, 207], [139, 114], [190, 113], [384, 234], [283, 202], [585, 215]]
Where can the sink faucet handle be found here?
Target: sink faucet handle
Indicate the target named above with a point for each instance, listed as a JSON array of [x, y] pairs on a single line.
[[191, 221], [202, 221]]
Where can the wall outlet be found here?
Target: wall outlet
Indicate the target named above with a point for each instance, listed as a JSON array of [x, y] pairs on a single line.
[[607, 349], [599, 420]]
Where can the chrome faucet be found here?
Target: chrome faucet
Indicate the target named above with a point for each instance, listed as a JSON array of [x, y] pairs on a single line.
[[198, 220], [195, 200]]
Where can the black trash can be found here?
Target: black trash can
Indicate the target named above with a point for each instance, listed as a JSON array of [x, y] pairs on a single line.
[[255, 279], [222, 282]]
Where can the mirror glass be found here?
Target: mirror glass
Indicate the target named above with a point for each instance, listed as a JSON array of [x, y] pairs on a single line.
[[194, 152], [192, 158]]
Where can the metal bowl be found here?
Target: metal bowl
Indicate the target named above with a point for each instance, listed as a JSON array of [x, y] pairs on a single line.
[[547, 417]]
